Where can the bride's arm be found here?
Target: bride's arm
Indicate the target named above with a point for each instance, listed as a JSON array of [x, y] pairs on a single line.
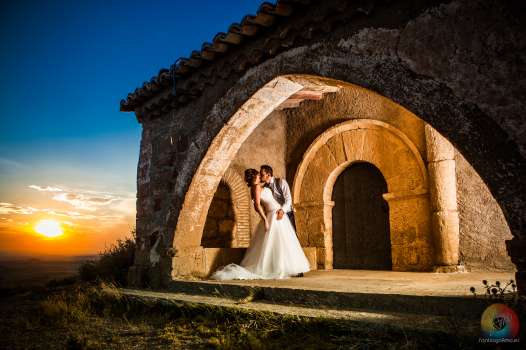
[[256, 195]]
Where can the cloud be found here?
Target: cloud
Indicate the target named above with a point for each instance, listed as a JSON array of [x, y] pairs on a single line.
[[81, 201], [9, 208], [86, 199], [87, 208], [45, 189], [12, 209]]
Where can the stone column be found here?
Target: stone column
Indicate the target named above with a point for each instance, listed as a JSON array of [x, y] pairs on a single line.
[[443, 189]]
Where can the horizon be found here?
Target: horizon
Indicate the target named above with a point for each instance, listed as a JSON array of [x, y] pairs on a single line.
[[43, 257]]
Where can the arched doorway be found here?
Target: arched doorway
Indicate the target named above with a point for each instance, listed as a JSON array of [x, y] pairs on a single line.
[[404, 171], [360, 219], [227, 222], [220, 221]]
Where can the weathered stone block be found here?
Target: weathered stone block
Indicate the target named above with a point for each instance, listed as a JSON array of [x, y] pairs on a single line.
[[217, 257], [226, 226], [446, 237], [218, 209], [310, 253]]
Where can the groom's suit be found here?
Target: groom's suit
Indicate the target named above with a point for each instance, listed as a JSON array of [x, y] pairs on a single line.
[[281, 191]]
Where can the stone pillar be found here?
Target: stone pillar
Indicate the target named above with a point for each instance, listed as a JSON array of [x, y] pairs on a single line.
[[443, 189]]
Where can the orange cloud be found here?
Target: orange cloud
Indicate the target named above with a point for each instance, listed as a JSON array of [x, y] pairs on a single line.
[[91, 220]]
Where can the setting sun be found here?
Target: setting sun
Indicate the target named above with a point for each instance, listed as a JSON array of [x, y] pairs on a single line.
[[49, 228]]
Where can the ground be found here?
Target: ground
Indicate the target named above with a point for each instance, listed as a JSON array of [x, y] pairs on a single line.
[[68, 314], [99, 317]]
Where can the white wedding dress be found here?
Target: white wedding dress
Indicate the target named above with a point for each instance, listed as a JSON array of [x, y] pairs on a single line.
[[275, 254]]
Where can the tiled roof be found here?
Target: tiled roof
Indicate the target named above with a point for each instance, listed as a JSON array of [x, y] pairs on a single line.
[[267, 16]]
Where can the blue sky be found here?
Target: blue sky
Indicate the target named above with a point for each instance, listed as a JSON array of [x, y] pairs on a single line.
[[65, 65]]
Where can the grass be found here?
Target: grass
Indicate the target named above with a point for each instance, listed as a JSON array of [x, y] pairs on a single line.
[[98, 316]]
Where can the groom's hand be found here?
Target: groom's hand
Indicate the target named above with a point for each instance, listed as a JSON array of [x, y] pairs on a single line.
[[280, 214]]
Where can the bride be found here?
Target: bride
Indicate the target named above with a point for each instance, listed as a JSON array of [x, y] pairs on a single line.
[[274, 251]]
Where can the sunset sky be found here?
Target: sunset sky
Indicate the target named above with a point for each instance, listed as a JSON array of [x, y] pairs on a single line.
[[66, 152]]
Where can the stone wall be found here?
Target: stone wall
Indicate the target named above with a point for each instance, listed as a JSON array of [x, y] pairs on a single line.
[[483, 227]]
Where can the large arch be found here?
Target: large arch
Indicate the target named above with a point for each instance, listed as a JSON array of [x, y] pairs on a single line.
[[220, 154], [400, 162], [190, 258]]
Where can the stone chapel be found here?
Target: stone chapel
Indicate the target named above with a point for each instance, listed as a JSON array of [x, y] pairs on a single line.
[[399, 126]]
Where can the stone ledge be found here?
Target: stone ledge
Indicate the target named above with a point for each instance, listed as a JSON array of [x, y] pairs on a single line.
[[453, 306]]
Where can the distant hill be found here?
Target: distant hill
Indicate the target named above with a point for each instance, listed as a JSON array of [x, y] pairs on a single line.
[[24, 271], [6, 256]]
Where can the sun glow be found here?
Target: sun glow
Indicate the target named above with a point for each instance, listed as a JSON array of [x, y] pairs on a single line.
[[49, 228]]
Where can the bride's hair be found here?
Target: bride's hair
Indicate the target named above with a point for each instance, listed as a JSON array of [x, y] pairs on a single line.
[[250, 175]]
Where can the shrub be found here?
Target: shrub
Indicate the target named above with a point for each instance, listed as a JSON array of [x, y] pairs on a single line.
[[66, 281], [113, 264]]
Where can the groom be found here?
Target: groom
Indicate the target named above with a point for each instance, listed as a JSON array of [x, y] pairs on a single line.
[[281, 191]]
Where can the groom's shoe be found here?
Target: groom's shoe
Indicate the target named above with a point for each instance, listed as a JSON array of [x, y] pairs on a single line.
[[299, 274]]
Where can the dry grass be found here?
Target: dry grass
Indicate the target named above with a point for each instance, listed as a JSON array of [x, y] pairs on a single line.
[[112, 264], [98, 316]]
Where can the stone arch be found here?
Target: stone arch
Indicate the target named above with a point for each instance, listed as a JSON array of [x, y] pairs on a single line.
[[400, 162], [188, 257], [220, 154], [241, 205]]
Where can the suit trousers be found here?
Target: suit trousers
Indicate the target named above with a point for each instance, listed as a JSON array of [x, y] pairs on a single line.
[[290, 214]]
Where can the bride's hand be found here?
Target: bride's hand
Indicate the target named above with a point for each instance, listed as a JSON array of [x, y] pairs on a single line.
[[267, 226]]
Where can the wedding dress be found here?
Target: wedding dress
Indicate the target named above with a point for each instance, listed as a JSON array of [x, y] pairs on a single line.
[[275, 254]]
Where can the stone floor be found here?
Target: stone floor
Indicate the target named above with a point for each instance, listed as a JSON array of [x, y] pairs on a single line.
[[385, 282]]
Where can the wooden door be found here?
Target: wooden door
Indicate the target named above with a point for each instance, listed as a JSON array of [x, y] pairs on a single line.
[[360, 219]]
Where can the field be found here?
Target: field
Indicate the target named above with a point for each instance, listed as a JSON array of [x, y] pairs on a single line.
[[31, 272]]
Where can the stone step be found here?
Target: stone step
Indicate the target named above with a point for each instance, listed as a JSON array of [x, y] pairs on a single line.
[[466, 307], [369, 319]]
